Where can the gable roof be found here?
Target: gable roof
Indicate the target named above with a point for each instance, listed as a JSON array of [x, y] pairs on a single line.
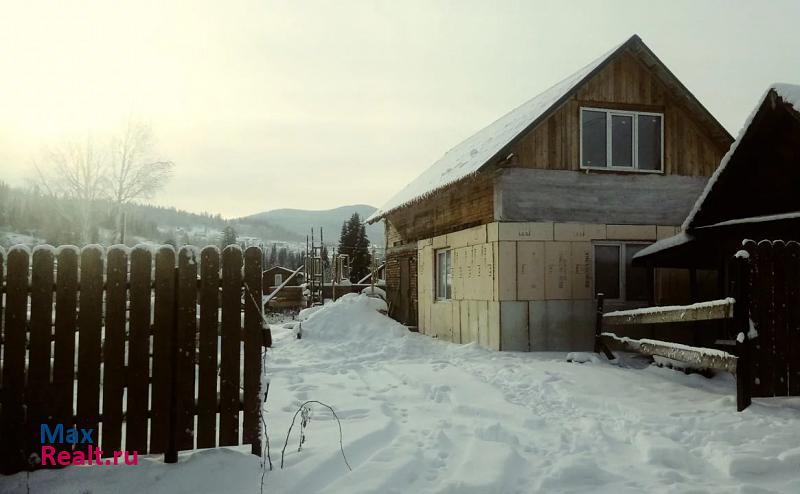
[[493, 143], [789, 94]]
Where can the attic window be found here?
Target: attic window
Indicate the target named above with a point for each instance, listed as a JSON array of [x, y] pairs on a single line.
[[622, 140]]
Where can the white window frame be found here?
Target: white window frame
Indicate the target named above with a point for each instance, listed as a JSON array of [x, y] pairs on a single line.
[[623, 289], [278, 279], [448, 295], [634, 135]]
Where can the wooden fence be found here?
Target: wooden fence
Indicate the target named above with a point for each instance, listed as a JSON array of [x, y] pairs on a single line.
[[766, 323], [774, 346], [146, 347]]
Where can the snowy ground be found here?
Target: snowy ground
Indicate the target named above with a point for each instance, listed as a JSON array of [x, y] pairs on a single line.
[[419, 415]]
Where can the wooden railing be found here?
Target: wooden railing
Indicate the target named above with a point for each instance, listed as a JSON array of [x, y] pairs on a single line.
[[735, 309]]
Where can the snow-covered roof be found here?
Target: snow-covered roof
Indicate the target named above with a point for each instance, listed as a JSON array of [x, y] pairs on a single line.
[[468, 157], [681, 238], [789, 93]]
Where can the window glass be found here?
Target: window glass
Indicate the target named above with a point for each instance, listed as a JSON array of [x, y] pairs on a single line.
[[649, 133], [593, 137], [635, 276], [278, 279], [444, 274], [622, 140], [606, 270]]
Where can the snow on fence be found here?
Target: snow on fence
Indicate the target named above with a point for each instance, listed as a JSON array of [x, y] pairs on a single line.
[[144, 323]]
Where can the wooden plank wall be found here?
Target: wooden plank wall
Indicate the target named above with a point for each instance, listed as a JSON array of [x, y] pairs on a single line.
[[105, 297]]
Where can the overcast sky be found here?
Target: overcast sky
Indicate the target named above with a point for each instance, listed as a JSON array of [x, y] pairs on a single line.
[[265, 105]]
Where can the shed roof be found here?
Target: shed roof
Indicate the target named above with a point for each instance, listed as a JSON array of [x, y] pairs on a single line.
[[493, 143]]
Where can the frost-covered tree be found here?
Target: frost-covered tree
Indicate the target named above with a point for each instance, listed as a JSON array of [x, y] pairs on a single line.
[[133, 171], [228, 237]]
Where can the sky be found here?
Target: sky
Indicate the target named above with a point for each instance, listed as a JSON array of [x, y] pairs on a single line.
[[310, 104]]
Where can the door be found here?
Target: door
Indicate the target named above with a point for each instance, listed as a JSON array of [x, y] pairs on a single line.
[[404, 298]]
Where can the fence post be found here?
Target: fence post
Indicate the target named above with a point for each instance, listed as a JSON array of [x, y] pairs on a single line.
[[598, 328], [741, 324]]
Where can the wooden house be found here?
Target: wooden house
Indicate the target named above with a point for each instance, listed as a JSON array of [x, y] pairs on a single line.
[[276, 275], [291, 296], [506, 239], [752, 195]]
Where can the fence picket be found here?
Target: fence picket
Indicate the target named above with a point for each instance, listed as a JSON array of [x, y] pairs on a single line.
[[209, 333], [230, 346], [13, 443], [89, 338], [41, 327], [114, 348], [138, 371], [64, 348], [793, 317], [765, 326], [252, 348], [186, 334], [163, 321], [780, 332]]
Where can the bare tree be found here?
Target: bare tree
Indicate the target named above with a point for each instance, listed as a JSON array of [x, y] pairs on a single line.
[[133, 172], [76, 170]]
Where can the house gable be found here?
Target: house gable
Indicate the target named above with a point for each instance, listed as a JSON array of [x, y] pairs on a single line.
[[693, 144]]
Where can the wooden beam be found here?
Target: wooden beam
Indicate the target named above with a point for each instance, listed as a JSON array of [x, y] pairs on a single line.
[[703, 311], [704, 358]]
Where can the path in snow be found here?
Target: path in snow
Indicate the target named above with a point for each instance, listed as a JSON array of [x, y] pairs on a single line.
[[420, 415]]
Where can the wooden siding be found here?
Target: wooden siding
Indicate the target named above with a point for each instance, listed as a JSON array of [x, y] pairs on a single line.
[[626, 83], [462, 205]]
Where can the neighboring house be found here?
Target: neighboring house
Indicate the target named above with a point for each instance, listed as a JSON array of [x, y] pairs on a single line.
[[507, 238], [753, 194], [291, 296], [274, 276]]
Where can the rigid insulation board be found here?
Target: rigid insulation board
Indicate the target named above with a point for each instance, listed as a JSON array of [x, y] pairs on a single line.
[[663, 232], [514, 326], [467, 335], [557, 279], [631, 232], [525, 231], [470, 236], [442, 320], [561, 325], [575, 232], [530, 270], [493, 325], [505, 278], [456, 321], [581, 270]]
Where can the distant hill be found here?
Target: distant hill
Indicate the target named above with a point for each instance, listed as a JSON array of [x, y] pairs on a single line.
[[300, 221]]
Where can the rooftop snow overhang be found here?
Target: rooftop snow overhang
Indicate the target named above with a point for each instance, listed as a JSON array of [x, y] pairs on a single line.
[[493, 144]]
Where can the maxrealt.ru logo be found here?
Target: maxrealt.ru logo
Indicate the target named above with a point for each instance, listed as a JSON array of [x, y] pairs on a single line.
[[74, 436]]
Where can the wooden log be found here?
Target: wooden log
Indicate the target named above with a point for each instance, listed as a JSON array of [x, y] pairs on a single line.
[[186, 333], [252, 350], [114, 348], [230, 346], [209, 332], [703, 311], [138, 372], [12, 447], [793, 316], [89, 340], [704, 358], [64, 347], [163, 326]]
